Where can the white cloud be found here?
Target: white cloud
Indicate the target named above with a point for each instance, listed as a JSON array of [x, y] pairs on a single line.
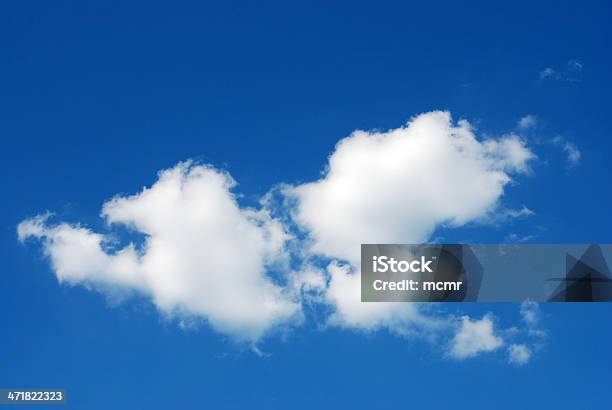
[[502, 215], [530, 312], [531, 315], [527, 122], [570, 73], [548, 72], [397, 186], [515, 238], [574, 65], [474, 337], [519, 354], [573, 153], [203, 254], [570, 149]]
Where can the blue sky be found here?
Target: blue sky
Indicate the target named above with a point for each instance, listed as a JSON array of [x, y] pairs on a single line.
[[97, 98]]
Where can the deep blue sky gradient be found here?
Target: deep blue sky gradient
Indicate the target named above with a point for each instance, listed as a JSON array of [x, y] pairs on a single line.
[[96, 97]]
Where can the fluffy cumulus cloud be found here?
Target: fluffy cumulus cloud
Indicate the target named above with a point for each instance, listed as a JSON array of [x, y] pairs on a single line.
[[527, 122], [570, 149], [531, 316], [397, 186], [518, 354], [548, 72], [205, 256], [474, 337], [202, 255], [530, 312], [573, 153]]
